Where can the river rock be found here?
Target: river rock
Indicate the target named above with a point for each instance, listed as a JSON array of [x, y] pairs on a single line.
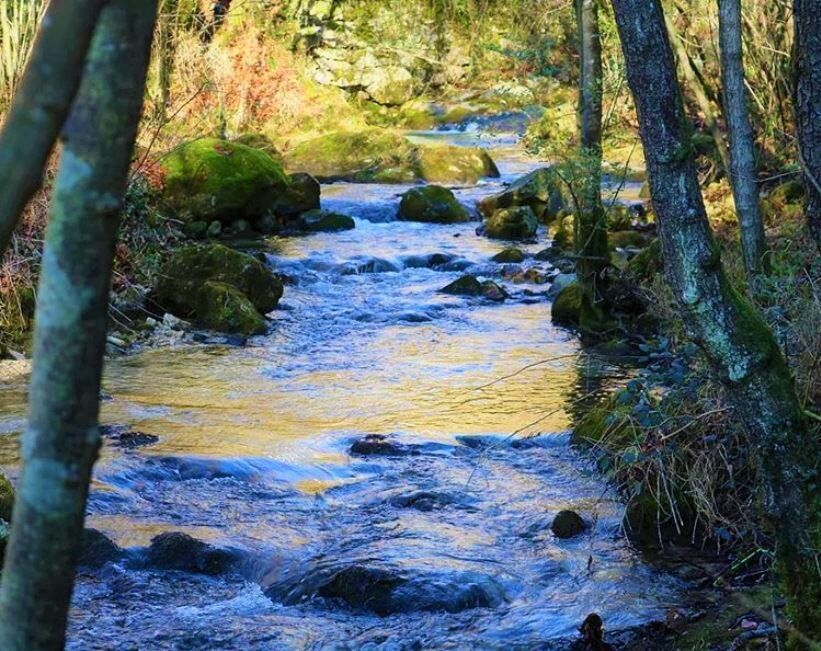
[[391, 86], [567, 305], [380, 445], [210, 179], [518, 223], [567, 524], [223, 307], [301, 195], [97, 550], [432, 203], [315, 221], [179, 551], [539, 190], [509, 255], [423, 500], [386, 590], [450, 164], [559, 283], [471, 286]]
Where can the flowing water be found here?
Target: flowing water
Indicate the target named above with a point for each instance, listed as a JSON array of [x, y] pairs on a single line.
[[253, 458]]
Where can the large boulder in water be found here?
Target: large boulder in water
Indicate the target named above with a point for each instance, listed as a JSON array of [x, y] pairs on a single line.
[[449, 164], [471, 286], [540, 190], [316, 221], [211, 179], [218, 287], [432, 203], [386, 591], [517, 223], [179, 551]]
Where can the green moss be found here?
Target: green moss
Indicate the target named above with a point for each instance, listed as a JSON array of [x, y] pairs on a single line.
[[222, 307], [448, 164], [191, 266], [261, 142], [649, 523], [608, 422], [517, 223], [647, 263], [315, 221], [567, 306], [213, 179], [432, 203], [6, 498], [784, 203], [352, 155], [540, 190]]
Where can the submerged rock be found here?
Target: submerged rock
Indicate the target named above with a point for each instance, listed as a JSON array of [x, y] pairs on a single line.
[[567, 524], [380, 445], [424, 500], [539, 190], [179, 551], [208, 179], [518, 223], [432, 203]]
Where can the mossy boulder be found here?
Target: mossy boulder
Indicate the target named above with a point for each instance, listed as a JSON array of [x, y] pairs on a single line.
[[540, 190], [567, 306], [449, 164], [391, 86], [509, 255], [315, 221], [351, 155], [301, 195], [567, 524], [6, 498], [196, 264], [218, 288], [627, 240], [432, 204], [209, 179], [220, 306], [647, 262], [471, 286], [518, 223], [261, 142], [562, 232]]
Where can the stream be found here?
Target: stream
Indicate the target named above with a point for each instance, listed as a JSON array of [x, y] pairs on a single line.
[[444, 546]]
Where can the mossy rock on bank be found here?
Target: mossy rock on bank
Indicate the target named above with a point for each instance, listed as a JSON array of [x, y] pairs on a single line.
[[220, 306], [567, 306], [518, 223], [351, 155], [448, 164], [608, 422], [628, 240], [215, 286], [315, 221], [209, 179], [432, 204], [540, 190], [649, 523], [376, 155], [301, 195], [785, 202], [647, 262]]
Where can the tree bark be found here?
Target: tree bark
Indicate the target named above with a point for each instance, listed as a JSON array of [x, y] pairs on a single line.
[[729, 330], [62, 438], [41, 104], [807, 104], [590, 231], [742, 138]]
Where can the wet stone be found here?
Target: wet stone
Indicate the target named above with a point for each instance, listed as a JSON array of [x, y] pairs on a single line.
[[425, 501], [567, 524], [123, 437], [98, 549], [179, 551], [380, 445]]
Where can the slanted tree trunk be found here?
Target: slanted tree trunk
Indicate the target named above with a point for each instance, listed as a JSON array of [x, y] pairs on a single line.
[[729, 330], [41, 104], [590, 232], [62, 438], [807, 104], [742, 139], [697, 86]]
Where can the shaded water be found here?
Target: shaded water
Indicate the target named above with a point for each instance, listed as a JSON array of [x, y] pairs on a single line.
[[253, 458]]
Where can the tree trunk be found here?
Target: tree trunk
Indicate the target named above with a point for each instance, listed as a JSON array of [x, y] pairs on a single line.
[[41, 104], [807, 104], [742, 139], [696, 85], [732, 334], [62, 438], [590, 232]]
